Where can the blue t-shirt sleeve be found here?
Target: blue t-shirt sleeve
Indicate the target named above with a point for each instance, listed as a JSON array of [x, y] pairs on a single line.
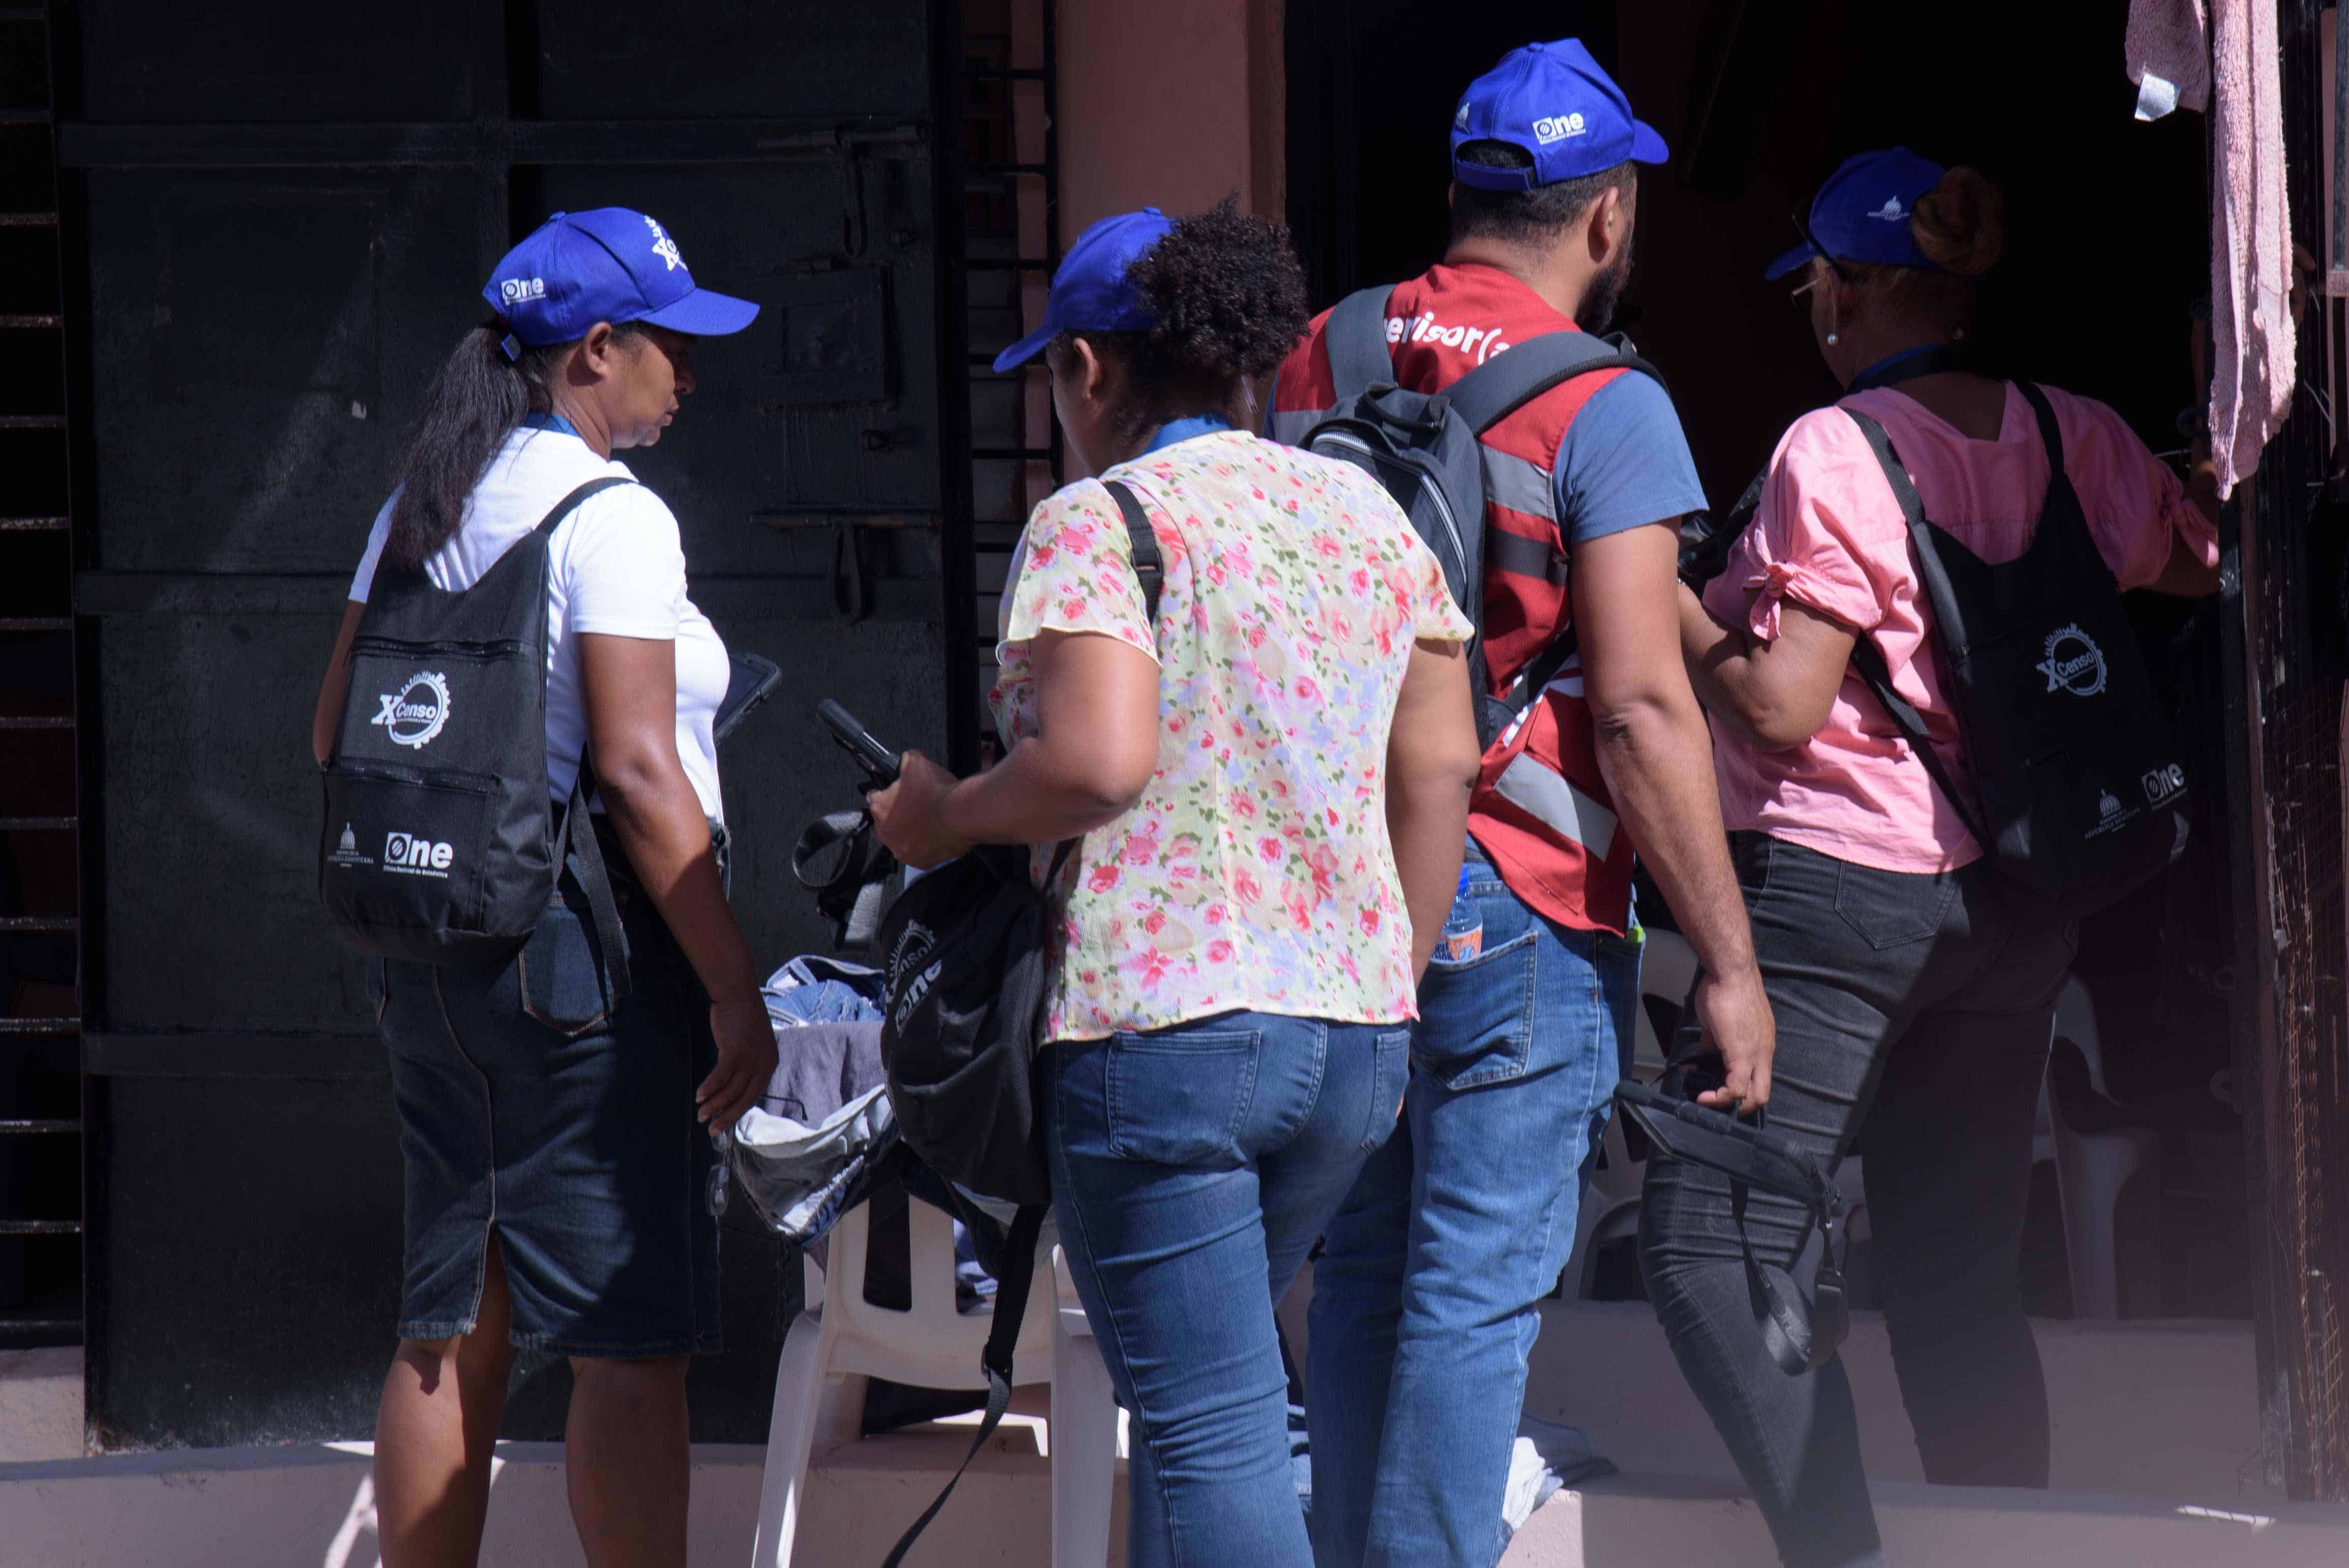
[[1624, 463]]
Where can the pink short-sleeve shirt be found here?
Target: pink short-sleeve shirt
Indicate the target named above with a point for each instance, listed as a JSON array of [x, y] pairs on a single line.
[[1829, 535]]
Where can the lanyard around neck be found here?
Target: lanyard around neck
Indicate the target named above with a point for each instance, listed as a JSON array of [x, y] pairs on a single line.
[[1182, 430], [1928, 359]]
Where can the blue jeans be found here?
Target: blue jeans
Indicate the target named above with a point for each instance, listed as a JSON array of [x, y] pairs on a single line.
[[1424, 1302], [1192, 1169]]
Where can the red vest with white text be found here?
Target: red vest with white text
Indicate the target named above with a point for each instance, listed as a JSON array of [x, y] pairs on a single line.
[[1541, 811]]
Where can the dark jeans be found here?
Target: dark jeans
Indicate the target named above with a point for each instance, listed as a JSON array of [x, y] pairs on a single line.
[[1920, 1007]]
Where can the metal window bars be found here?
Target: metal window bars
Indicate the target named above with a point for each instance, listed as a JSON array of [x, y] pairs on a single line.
[[1011, 243], [39, 829]]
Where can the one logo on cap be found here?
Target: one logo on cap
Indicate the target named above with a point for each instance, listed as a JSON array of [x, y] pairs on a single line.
[[2073, 662], [413, 713], [1460, 119], [514, 291], [1890, 212], [664, 247], [1559, 127]]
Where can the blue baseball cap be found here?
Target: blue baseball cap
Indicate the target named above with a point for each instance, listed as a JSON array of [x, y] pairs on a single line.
[[1090, 293], [612, 264], [1552, 101], [1862, 212]]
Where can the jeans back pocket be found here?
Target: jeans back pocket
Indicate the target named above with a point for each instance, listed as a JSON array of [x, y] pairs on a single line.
[[1177, 1097], [563, 983], [1477, 1018], [1389, 1075], [1888, 909]]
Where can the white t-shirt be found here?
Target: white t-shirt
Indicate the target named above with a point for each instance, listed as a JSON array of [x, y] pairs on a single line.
[[615, 566]]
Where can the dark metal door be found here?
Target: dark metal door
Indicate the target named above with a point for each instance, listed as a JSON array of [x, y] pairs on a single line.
[[276, 217]]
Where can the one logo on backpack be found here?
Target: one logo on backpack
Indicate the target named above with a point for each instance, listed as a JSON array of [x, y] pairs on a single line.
[[914, 945], [413, 713], [347, 854], [1557, 128], [415, 855], [2162, 783], [2073, 663]]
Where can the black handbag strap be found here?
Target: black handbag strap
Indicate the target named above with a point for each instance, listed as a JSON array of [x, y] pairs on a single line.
[[1017, 1271], [854, 895], [1798, 1340], [1148, 564]]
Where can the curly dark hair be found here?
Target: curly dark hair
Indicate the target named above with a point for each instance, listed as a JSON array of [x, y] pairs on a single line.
[[1532, 215], [1228, 293]]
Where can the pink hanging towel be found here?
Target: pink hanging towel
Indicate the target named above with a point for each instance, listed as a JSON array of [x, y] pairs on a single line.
[[2252, 368]]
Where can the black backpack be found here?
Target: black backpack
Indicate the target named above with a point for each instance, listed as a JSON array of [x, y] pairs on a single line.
[[2079, 787], [439, 844], [1425, 448], [963, 953]]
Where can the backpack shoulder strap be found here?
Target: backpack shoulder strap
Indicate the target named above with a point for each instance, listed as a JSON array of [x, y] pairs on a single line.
[[1869, 659], [2049, 434], [1017, 1262], [1148, 564], [1500, 386], [1356, 338], [570, 503], [577, 838]]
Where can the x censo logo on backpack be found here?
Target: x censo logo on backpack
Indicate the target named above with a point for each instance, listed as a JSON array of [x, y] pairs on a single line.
[[413, 713], [2073, 663]]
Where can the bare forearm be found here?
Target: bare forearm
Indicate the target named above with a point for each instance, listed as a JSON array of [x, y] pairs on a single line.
[[659, 823], [1427, 823], [1029, 798], [1657, 759], [1721, 670]]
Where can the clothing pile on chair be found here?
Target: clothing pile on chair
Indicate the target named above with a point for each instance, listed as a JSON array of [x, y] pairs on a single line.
[[823, 1137]]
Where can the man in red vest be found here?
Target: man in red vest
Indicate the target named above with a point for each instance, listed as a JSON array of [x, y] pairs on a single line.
[[1424, 1302]]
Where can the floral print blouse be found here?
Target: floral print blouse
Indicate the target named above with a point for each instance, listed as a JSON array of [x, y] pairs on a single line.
[[1254, 871]]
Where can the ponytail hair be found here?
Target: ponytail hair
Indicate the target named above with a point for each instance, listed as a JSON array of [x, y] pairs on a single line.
[[1960, 223], [479, 396]]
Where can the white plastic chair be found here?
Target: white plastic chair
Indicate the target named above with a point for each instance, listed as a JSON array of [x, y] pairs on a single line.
[[840, 1338], [2091, 1168]]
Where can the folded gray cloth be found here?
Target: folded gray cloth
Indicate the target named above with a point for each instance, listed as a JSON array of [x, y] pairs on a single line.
[[821, 1135]]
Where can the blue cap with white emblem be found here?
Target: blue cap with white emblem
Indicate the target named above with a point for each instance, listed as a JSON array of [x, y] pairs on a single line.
[[612, 264], [1090, 293], [1862, 212], [1553, 101]]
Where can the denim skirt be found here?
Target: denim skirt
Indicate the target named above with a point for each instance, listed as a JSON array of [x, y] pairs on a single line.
[[535, 1107]]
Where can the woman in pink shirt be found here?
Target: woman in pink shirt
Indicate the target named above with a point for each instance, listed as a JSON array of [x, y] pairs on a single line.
[[1914, 985]]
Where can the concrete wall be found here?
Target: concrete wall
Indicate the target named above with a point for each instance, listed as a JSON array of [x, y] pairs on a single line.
[[1166, 106]]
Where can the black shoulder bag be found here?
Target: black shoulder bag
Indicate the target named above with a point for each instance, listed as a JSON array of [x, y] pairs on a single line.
[[1801, 1335], [963, 954]]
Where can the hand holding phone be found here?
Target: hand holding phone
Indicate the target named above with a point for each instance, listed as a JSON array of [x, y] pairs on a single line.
[[880, 763]]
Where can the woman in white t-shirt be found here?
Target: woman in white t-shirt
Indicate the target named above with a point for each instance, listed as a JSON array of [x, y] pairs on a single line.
[[559, 1170]]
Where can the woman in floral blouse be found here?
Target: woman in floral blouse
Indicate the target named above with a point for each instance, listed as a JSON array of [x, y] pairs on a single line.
[[1271, 786]]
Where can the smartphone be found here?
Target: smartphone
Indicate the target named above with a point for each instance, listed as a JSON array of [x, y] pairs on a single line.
[[880, 763]]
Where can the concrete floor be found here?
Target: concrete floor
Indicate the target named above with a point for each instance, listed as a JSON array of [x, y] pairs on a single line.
[[2155, 1442]]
